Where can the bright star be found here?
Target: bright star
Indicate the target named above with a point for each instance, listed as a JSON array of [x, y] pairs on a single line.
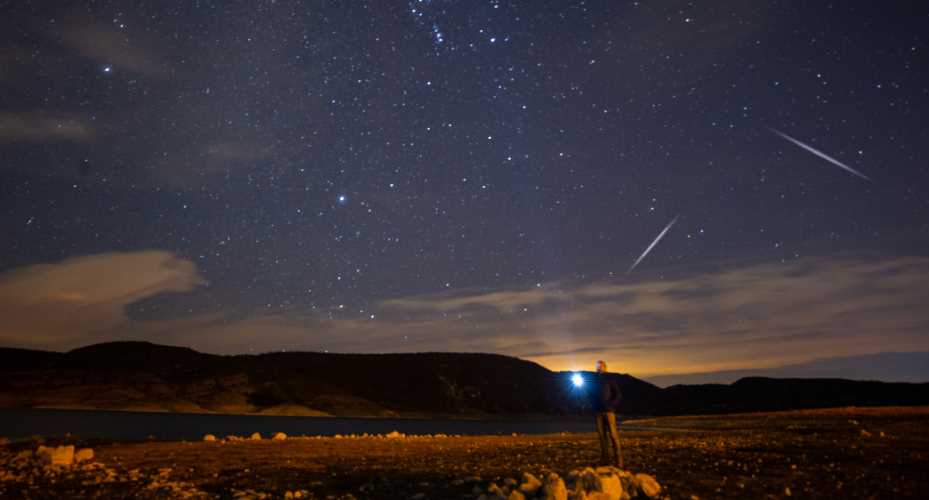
[[342, 199], [108, 69]]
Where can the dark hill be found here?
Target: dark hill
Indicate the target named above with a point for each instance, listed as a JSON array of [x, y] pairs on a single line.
[[767, 394], [144, 376]]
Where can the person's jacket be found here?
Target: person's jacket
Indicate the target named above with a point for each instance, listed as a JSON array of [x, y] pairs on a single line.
[[604, 394]]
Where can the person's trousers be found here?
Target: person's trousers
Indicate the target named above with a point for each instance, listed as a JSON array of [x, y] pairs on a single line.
[[609, 439]]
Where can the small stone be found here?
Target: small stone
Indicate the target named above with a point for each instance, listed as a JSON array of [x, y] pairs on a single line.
[[280, 436], [647, 485], [516, 495], [59, 456], [554, 488], [611, 486], [394, 435], [255, 437], [209, 437], [83, 455], [530, 484]]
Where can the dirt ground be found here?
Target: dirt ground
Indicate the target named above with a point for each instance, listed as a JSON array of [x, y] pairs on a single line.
[[839, 453]]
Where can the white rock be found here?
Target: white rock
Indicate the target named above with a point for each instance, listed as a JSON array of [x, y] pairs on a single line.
[[61, 455], [530, 484], [83, 455], [648, 485], [554, 488], [280, 436], [587, 479], [611, 487], [516, 495], [209, 437]]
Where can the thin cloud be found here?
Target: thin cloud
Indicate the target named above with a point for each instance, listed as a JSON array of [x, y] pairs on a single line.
[[754, 316], [107, 46], [760, 314], [83, 299], [190, 169], [38, 127]]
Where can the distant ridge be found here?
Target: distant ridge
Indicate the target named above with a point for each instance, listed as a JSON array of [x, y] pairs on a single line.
[[884, 366], [151, 377]]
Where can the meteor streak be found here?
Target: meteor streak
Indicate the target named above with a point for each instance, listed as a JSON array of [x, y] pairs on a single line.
[[822, 155], [655, 242]]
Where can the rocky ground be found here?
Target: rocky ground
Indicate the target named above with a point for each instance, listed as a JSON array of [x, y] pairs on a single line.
[[852, 453]]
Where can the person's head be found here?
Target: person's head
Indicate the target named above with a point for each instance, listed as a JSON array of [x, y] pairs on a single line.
[[601, 366]]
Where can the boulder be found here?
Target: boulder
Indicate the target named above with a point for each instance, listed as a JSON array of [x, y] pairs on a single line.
[[83, 455], [647, 485], [58, 456], [255, 436], [554, 488], [209, 437], [280, 436], [587, 479], [610, 486]]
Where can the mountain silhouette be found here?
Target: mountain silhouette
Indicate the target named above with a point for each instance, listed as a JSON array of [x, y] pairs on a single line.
[[151, 377]]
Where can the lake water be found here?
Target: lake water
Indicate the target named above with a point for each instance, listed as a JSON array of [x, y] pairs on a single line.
[[131, 426]]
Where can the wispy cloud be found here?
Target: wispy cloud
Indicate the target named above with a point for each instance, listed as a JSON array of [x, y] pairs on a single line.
[[40, 127], [83, 299], [219, 157], [752, 316], [108, 46], [756, 315]]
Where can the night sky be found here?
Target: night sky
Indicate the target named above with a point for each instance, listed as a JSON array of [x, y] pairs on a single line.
[[438, 175]]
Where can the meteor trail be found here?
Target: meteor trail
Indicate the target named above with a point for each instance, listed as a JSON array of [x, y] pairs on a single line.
[[820, 154], [655, 242]]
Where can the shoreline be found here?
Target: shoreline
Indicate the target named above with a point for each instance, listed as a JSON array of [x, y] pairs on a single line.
[[842, 452]]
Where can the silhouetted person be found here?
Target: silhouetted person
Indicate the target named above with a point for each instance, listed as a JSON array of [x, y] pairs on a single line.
[[604, 398]]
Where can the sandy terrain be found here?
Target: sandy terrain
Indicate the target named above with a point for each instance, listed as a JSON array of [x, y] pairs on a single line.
[[852, 453]]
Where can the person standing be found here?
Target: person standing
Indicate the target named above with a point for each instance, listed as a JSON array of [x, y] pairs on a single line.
[[604, 399]]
